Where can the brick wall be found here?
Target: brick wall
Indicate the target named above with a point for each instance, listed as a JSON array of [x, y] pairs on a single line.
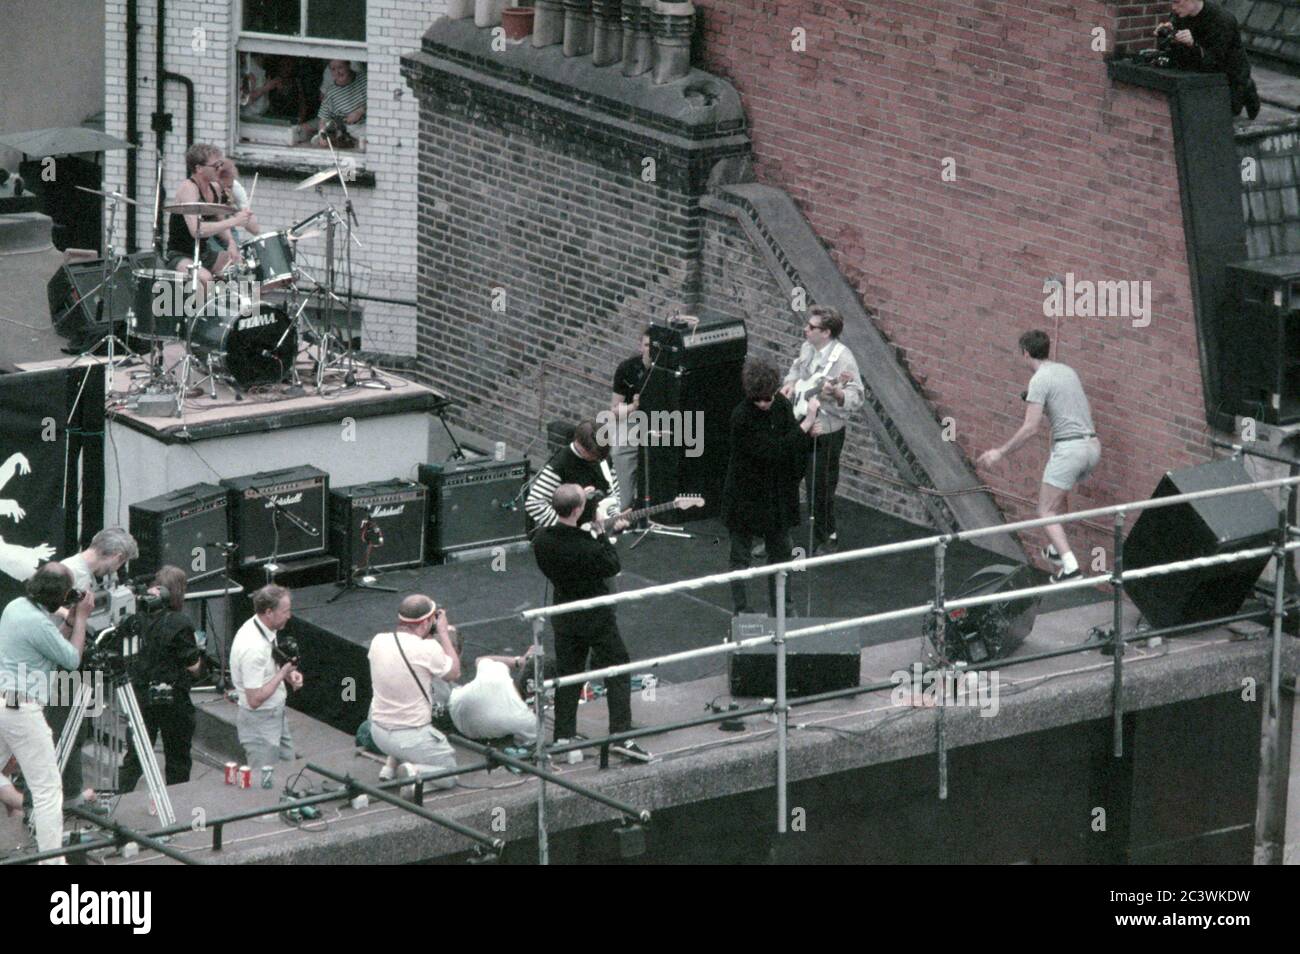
[[1057, 171], [385, 266]]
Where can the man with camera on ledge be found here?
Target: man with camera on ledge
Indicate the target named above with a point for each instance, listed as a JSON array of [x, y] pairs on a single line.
[[1203, 37], [162, 672], [260, 671], [33, 644]]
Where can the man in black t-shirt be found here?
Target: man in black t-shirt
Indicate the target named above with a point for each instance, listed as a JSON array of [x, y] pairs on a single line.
[[168, 657], [1207, 39], [629, 379], [579, 565]]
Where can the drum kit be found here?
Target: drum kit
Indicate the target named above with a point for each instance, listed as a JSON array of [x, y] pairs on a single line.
[[227, 331]]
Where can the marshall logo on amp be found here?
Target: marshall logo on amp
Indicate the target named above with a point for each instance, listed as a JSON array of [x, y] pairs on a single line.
[[279, 514], [378, 526]]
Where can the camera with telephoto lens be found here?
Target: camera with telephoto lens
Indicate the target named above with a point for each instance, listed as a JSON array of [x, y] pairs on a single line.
[[285, 650], [1165, 38], [74, 597]]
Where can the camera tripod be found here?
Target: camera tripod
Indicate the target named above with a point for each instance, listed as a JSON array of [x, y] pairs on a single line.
[[122, 702]]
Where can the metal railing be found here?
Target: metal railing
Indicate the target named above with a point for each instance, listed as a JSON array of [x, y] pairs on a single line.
[[939, 607]]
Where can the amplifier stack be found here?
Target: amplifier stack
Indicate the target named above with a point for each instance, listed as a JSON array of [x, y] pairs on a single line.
[[471, 505], [181, 528]]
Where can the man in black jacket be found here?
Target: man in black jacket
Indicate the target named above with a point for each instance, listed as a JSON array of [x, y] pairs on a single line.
[[1207, 39], [760, 496], [161, 674], [579, 565]]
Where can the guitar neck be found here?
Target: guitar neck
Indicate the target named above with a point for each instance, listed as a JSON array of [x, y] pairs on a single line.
[[636, 515]]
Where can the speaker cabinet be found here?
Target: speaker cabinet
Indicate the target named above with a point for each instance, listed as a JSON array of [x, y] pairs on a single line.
[[471, 504], [1260, 340], [689, 394], [262, 528], [1202, 528], [395, 508], [75, 292], [180, 528], [813, 664], [977, 634]]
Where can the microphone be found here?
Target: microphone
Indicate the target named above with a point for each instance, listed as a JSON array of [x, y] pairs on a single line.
[[223, 547]]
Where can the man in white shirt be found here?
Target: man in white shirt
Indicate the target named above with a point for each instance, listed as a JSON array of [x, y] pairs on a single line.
[[405, 667], [489, 706], [261, 722]]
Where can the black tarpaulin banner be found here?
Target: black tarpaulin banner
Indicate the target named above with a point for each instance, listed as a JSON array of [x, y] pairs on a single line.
[[42, 458]]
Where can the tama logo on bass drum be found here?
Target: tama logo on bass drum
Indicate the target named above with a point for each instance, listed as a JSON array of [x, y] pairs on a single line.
[[256, 321]]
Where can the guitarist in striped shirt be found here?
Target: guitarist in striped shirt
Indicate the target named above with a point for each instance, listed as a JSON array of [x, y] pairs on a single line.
[[826, 369], [584, 462]]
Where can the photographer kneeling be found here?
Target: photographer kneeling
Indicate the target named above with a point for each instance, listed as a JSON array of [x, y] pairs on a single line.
[[32, 646], [161, 673]]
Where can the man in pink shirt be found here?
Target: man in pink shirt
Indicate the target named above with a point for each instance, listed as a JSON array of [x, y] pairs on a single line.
[[407, 667]]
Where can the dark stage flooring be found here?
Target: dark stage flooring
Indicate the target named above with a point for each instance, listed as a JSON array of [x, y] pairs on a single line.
[[484, 603]]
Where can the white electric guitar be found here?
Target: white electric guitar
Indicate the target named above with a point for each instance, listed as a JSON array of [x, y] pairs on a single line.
[[607, 512], [811, 387]]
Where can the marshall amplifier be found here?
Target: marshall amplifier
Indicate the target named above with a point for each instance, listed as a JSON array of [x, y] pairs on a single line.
[[263, 529], [471, 504], [395, 510], [180, 528]]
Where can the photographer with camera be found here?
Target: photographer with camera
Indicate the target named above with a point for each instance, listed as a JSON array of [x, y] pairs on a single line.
[[32, 646], [110, 549], [1203, 37], [261, 670], [162, 673], [409, 676]]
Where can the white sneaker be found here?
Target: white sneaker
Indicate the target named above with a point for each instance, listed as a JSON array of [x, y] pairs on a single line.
[[390, 767], [407, 770]]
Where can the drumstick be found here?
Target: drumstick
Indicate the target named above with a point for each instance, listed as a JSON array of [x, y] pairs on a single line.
[[254, 192]]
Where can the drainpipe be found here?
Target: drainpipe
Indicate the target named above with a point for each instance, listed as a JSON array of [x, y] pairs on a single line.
[[132, 130]]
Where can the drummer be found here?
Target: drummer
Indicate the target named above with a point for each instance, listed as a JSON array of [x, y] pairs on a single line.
[[237, 196], [203, 163]]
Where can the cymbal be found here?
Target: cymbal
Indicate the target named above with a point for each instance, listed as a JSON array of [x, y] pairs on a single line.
[[112, 196], [314, 180], [199, 208]]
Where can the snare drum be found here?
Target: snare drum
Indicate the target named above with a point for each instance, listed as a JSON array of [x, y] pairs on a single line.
[[236, 343], [269, 257], [159, 305]]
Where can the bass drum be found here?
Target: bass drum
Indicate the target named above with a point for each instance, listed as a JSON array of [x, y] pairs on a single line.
[[257, 348]]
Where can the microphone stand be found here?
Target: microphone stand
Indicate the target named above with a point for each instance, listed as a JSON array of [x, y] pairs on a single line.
[[271, 567], [360, 577]]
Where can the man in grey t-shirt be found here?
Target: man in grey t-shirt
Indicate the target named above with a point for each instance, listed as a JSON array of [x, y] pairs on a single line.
[[1054, 389]]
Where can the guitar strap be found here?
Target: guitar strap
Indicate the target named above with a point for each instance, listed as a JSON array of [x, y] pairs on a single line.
[[831, 357]]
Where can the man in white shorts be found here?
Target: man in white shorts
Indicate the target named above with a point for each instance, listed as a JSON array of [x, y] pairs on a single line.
[[1054, 389]]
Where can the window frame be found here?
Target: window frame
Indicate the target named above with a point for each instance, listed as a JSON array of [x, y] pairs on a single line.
[[279, 44]]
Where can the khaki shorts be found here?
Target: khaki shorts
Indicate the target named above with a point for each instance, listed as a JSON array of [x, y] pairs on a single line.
[[1071, 462]]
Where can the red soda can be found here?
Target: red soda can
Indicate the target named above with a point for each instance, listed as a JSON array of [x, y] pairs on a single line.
[[245, 777], [232, 772]]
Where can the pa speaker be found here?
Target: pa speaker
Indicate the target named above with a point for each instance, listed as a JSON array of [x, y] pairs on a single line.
[[1201, 528], [813, 664], [76, 291], [976, 634]]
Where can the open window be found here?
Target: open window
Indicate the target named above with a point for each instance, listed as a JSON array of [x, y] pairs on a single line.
[[301, 75]]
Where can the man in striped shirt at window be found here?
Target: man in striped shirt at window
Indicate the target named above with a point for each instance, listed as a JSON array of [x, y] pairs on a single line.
[[344, 102]]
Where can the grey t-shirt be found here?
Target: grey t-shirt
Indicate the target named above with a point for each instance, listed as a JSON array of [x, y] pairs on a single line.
[[1058, 389]]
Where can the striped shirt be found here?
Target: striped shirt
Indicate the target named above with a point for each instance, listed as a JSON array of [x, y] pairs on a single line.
[[569, 468], [341, 101]]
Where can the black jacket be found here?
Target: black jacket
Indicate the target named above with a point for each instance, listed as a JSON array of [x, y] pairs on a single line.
[[768, 456], [167, 650], [1218, 49], [579, 566]]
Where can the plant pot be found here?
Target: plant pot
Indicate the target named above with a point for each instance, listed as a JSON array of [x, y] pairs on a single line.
[[518, 22]]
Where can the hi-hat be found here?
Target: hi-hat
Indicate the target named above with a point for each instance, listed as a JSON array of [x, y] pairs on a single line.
[[199, 208], [314, 180], [112, 196]]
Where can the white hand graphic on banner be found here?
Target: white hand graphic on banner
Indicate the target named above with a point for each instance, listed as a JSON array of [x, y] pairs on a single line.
[[18, 561]]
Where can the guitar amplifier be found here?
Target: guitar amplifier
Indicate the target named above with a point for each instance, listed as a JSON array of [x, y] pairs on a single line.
[[395, 507], [261, 530], [470, 504], [177, 528], [715, 340], [813, 664]]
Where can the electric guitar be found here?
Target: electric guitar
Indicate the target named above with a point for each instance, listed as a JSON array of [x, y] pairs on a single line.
[[811, 387], [607, 512]]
